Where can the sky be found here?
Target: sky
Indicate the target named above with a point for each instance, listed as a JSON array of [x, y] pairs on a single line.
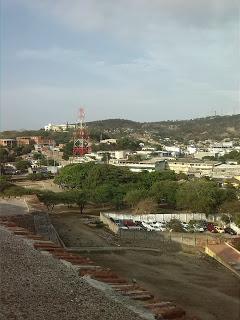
[[144, 60]]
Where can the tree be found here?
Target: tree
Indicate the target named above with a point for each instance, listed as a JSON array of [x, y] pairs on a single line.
[[39, 176], [226, 218], [22, 165], [80, 198], [38, 156], [27, 149], [175, 225], [182, 176], [148, 205], [127, 143], [103, 194], [147, 179], [106, 157], [133, 197], [49, 198], [90, 175], [165, 192], [230, 207], [4, 155], [67, 150], [4, 183], [233, 155], [136, 158], [201, 196]]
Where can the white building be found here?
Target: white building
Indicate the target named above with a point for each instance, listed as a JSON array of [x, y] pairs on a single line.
[[108, 141], [59, 127], [221, 148], [175, 151], [192, 167], [149, 166], [225, 171], [202, 154], [191, 149]]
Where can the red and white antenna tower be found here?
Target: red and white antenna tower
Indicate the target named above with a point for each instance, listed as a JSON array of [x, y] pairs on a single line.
[[81, 138]]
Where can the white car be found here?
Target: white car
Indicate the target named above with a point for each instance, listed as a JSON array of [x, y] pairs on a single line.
[[123, 228], [148, 226], [156, 224], [156, 228], [219, 229], [199, 228]]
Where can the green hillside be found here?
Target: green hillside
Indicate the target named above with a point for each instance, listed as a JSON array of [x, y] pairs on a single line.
[[216, 128]]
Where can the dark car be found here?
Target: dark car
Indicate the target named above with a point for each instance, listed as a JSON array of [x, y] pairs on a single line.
[[230, 231]]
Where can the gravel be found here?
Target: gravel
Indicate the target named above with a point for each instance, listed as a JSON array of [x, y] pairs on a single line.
[[34, 286]]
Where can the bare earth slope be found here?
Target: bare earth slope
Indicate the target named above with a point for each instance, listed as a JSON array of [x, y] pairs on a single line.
[[37, 287]]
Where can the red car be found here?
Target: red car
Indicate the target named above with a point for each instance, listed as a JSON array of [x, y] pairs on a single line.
[[211, 227]]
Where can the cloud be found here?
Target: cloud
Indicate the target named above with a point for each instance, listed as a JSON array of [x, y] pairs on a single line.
[[124, 102], [52, 53], [137, 16], [116, 57]]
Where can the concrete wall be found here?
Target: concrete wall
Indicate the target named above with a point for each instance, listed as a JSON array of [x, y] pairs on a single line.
[[235, 227], [156, 239], [212, 254], [107, 221], [184, 217]]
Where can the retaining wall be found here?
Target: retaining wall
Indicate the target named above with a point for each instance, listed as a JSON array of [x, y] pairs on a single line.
[[182, 216], [107, 221]]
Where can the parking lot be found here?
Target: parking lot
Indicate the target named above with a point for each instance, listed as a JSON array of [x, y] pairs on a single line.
[[174, 225]]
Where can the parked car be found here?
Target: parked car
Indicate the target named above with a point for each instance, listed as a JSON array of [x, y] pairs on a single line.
[[219, 229], [148, 226], [211, 227], [156, 228], [123, 228], [185, 226], [230, 231], [142, 226], [203, 223], [198, 228]]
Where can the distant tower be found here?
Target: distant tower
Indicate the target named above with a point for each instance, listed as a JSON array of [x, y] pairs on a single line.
[[81, 137]]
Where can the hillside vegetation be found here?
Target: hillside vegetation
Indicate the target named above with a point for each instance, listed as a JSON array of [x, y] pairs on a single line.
[[216, 128]]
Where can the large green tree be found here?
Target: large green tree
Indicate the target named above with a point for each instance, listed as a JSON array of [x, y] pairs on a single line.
[[91, 175], [202, 196], [165, 192], [133, 197], [22, 165]]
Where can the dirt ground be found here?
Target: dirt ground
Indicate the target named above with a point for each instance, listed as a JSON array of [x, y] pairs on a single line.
[[196, 282], [200, 285], [74, 232], [41, 185]]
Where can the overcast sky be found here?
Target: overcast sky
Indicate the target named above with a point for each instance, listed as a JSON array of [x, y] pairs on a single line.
[[143, 60]]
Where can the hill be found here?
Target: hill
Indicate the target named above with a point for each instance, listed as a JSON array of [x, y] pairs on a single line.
[[217, 128]]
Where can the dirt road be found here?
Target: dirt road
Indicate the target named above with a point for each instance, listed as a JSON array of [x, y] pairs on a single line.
[[202, 286], [199, 284]]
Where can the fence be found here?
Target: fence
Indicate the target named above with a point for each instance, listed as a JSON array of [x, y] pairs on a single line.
[[154, 239], [44, 227]]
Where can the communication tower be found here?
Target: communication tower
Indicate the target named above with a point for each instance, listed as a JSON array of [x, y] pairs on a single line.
[[80, 137]]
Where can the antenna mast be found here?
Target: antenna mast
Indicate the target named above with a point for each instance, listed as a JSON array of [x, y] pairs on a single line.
[[80, 137]]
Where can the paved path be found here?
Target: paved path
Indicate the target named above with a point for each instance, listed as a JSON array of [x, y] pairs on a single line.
[[12, 207], [226, 255]]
